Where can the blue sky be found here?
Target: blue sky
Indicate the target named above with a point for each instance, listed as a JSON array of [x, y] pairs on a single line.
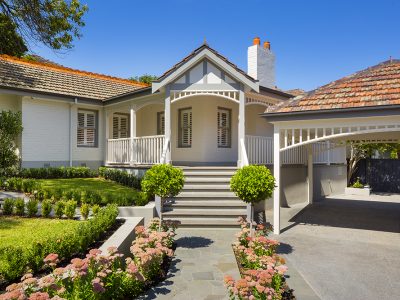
[[315, 42]]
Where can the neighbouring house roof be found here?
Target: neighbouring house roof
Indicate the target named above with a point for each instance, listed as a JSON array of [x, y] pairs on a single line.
[[296, 92], [47, 78], [376, 86]]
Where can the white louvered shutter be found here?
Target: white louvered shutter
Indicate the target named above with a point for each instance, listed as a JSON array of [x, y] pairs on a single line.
[[86, 135], [224, 130], [186, 128], [160, 123], [120, 127]]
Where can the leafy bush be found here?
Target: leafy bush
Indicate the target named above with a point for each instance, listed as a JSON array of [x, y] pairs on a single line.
[[69, 209], [8, 206], [95, 209], [15, 261], [163, 180], [30, 185], [92, 197], [121, 177], [21, 185], [253, 184], [40, 195], [32, 207], [46, 208], [142, 199], [85, 209], [57, 172], [19, 207], [357, 184], [58, 193], [59, 209]]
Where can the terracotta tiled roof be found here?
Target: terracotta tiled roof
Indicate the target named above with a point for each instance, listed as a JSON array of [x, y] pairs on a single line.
[[16, 73], [376, 86], [296, 92]]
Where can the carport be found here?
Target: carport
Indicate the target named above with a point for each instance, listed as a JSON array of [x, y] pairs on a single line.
[[361, 107]]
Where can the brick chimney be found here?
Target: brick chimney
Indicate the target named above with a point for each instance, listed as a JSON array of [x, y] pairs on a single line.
[[261, 63]]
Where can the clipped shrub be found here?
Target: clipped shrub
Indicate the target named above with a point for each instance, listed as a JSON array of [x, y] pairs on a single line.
[[48, 194], [92, 197], [69, 209], [141, 199], [46, 208], [19, 207], [32, 207], [58, 193], [85, 209], [121, 177], [357, 184], [59, 209], [40, 194], [95, 209], [102, 171], [77, 196], [68, 194], [8, 206], [30, 185]]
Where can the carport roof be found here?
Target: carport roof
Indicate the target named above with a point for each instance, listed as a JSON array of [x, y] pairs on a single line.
[[376, 86]]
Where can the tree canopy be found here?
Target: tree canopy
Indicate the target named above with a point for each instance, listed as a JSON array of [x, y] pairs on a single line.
[[145, 78], [54, 23]]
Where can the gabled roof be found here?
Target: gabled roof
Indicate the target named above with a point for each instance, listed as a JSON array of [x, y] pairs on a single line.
[[376, 86], [214, 56], [47, 78]]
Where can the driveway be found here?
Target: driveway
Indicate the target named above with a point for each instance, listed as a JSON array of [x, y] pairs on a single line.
[[346, 247]]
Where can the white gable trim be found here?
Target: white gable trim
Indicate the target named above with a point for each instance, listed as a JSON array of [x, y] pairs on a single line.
[[205, 54]]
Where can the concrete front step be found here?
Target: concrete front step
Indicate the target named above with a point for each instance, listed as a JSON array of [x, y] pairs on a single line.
[[205, 222], [208, 203], [207, 186], [205, 212], [207, 180], [215, 194], [223, 174]]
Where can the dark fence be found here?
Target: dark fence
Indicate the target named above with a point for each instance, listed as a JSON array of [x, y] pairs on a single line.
[[383, 175]]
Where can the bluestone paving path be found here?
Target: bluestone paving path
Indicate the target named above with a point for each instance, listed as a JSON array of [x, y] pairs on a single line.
[[202, 258]]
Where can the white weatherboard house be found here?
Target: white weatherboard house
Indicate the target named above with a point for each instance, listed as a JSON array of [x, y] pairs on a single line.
[[204, 115]]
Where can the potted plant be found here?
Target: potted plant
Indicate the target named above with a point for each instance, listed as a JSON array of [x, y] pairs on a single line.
[[164, 181], [253, 184], [358, 188]]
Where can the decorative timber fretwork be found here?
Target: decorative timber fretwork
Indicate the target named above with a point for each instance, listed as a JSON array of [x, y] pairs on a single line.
[[230, 95], [295, 137]]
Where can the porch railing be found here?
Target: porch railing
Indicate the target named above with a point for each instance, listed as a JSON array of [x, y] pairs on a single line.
[[260, 150], [136, 150]]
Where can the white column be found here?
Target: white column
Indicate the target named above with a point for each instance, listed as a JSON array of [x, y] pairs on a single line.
[[310, 179], [71, 139], [167, 118], [107, 132], [241, 126], [133, 134], [277, 175]]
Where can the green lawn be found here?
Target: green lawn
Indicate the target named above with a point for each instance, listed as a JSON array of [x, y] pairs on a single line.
[[94, 184], [17, 231]]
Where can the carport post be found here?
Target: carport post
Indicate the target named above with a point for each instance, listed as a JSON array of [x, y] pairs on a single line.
[[310, 174], [277, 175]]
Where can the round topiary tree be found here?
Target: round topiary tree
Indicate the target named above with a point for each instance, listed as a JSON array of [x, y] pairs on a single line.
[[253, 184], [164, 181]]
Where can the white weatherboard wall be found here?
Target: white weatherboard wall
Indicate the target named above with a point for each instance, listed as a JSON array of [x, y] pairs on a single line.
[[46, 135], [204, 131]]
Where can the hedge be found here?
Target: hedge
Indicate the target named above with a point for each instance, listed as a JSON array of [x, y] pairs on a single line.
[[57, 172], [121, 177], [15, 261]]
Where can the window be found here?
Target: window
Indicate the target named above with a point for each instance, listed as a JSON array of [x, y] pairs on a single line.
[[120, 126], [160, 123], [185, 127], [224, 128], [87, 130]]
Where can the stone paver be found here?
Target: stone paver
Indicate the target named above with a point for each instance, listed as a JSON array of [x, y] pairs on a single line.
[[201, 260]]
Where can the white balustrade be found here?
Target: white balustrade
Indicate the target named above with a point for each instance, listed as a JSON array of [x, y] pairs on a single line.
[[137, 150]]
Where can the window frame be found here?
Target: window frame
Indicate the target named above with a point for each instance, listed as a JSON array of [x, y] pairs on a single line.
[[95, 128], [229, 126], [160, 126], [180, 131]]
